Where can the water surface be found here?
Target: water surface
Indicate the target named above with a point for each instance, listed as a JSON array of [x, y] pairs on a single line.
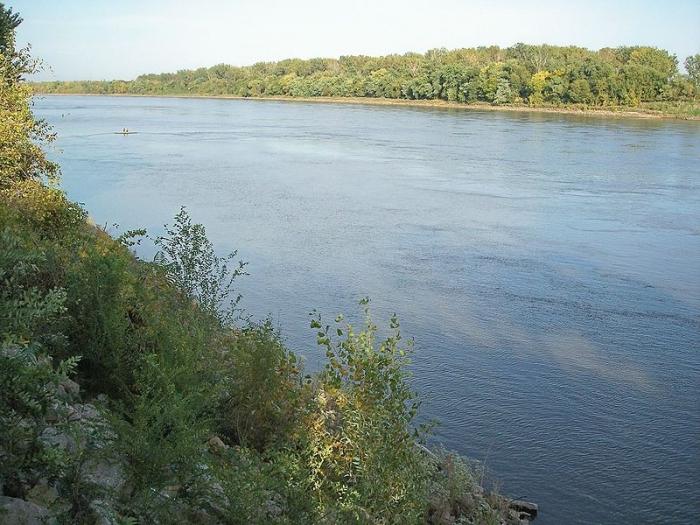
[[548, 266]]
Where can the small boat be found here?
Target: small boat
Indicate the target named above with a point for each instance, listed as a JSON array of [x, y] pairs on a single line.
[[125, 132]]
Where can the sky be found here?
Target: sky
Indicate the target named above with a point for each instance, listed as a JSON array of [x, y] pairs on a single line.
[[121, 39]]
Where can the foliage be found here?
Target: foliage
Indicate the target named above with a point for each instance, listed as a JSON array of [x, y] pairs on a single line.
[[521, 74], [361, 443], [29, 383], [21, 135], [250, 415], [195, 269], [47, 210], [692, 66], [8, 23], [30, 317], [336, 447]]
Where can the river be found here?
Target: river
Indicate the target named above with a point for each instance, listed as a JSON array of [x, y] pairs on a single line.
[[548, 266]]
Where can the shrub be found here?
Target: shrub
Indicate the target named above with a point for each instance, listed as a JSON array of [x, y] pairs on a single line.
[[45, 210], [195, 269], [360, 446], [262, 388], [30, 319], [29, 385]]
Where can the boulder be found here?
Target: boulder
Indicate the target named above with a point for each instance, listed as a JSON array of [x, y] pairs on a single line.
[[106, 474], [274, 506], [83, 412], [14, 510], [53, 437], [68, 390], [103, 513], [70, 386], [524, 507]]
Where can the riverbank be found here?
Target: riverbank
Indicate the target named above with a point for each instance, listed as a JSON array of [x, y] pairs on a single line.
[[585, 111]]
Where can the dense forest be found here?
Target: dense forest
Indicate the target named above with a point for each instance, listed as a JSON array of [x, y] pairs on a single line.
[[521, 74], [133, 391]]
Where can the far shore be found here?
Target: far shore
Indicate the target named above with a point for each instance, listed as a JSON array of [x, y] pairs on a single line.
[[441, 104]]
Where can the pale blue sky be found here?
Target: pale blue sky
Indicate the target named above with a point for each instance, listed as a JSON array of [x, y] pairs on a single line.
[[107, 39]]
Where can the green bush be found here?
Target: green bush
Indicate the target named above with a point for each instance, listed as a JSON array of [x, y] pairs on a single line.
[[360, 447], [194, 268], [100, 286], [30, 320], [29, 385], [263, 388]]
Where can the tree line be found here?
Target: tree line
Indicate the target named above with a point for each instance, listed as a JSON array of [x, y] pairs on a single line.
[[521, 74]]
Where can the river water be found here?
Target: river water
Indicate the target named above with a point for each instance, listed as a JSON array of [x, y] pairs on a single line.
[[548, 266]]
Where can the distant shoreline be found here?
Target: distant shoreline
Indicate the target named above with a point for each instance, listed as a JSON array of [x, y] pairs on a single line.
[[439, 104]]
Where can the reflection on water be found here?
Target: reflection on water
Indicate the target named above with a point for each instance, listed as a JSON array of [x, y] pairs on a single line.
[[546, 265]]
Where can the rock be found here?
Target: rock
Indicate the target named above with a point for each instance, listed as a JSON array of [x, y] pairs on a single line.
[[68, 390], [103, 513], [274, 507], [54, 413], [61, 393], [13, 510], [513, 517], [42, 494], [106, 474], [83, 412], [216, 446], [526, 507], [53, 437], [70, 386], [10, 351]]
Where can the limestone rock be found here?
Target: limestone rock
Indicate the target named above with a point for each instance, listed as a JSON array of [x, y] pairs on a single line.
[[103, 513], [71, 387], [274, 506], [13, 510], [53, 437], [83, 412], [68, 390], [106, 474]]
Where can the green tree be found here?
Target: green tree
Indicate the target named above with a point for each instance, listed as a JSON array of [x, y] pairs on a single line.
[[692, 66], [21, 135], [504, 94], [580, 92], [8, 23]]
